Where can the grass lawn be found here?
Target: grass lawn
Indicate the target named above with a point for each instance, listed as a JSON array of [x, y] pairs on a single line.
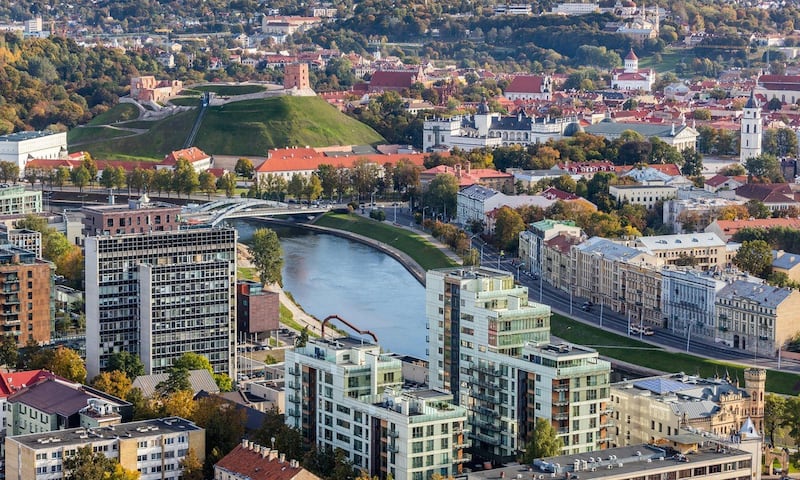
[[287, 319], [230, 90], [669, 59], [96, 134], [242, 128], [422, 251], [165, 136], [186, 101], [639, 353], [118, 113]]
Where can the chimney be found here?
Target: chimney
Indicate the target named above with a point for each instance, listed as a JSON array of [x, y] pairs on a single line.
[[282, 458], [273, 454], [255, 447], [468, 167], [245, 443], [458, 170], [263, 451]]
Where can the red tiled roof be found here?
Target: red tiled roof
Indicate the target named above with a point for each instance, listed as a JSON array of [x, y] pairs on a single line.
[[192, 154], [553, 193], [12, 382], [52, 163], [631, 56], [780, 82], [716, 180], [399, 80], [562, 242], [525, 84], [767, 192], [304, 159], [251, 464]]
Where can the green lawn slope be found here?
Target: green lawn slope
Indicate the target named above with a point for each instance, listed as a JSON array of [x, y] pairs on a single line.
[[254, 126]]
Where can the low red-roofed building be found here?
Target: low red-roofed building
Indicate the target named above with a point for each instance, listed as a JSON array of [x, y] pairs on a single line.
[[397, 81], [530, 87], [726, 229], [500, 181], [721, 182], [200, 160], [250, 461]]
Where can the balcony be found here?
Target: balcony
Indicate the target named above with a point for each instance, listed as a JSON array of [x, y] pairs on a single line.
[[391, 448], [561, 416], [464, 459], [561, 388], [460, 445], [486, 369], [483, 397], [487, 412], [294, 371], [294, 399], [561, 402], [393, 433], [491, 440], [293, 412], [11, 300], [293, 384], [487, 426]]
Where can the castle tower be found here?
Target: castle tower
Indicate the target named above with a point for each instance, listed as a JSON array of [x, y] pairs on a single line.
[[749, 440], [755, 383], [751, 130], [631, 62], [296, 75]]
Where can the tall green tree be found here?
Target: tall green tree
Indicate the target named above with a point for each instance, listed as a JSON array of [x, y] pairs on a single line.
[[507, 226], [313, 188], [754, 257], [774, 414], [267, 255], [227, 183], [9, 171], [297, 186], [124, 362], [244, 168], [8, 351], [441, 195], [543, 442], [207, 183], [178, 380], [80, 177], [184, 177], [764, 167]]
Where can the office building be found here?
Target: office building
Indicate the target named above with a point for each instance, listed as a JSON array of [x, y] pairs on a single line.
[[27, 298], [16, 200], [137, 216], [19, 147], [23, 238], [346, 394], [161, 295], [489, 346], [700, 250], [154, 448], [257, 309], [688, 300]]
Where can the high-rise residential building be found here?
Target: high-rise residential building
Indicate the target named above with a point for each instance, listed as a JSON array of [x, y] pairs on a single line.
[[160, 295], [153, 448], [346, 394], [490, 347], [27, 298]]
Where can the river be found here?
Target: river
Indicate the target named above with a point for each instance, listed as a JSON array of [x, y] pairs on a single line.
[[330, 275]]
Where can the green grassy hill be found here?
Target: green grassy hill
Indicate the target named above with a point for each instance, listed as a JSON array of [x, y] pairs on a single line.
[[254, 126], [244, 128]]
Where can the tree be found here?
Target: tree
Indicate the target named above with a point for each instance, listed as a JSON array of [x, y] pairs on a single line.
[[177, 380], [302, 339], [774, 412], [114, 383], [267, 255], [764, 167], [733, 170], [179, 404], [89, 465], [8, 351], [507, 227], [193, 361], [9, 171], [62, 176], [542, 443], [227, 183], [162, 181], [185, 178], [80, 177], [67, 363], [441, 194], [207, 183], [692, 163], [124, 362], [313, 188], [757, 209], [754, 257], [244, 168], [780, 142], [224, 424], [297, 186], [192, 466]]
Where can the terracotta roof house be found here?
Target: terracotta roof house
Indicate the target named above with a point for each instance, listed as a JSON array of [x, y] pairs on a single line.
[[383, 80], [200, 160], [250, 461], [530, 87], [721, 182], [776, 196], [500, 181], [726, 229]]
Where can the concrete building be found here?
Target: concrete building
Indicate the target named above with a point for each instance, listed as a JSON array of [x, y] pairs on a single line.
[[19, 147], [649, 410], [647, 195], [700, 250], [257, 310], [757, 318], [250, 461], [688, 301], [531, 241], [599, 274], [530, 87], [23, 238], [489, 346], [345, 393], [154, 448], [160, 295], [695, 213], [478, 203], [679, 136], [751, 130], [138, 216], [27, 296], [16, 200]]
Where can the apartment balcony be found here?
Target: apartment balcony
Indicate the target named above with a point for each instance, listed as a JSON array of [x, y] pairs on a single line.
[[294, 371], [491, 426], [487, 411], [458, 431], [391, 448], [293, 412], [561, 402], [294, 384], [490, 439], [483, 397], [484, 383], [561, 416], [11, 278], [466, 458], [393, 433], [486, 369], [294, 399], [561, 388], [460, 444]]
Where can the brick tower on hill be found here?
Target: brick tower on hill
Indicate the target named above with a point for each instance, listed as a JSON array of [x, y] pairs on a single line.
[[296, 75]]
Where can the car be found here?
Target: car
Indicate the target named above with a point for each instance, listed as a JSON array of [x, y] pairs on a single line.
[[587, 306]]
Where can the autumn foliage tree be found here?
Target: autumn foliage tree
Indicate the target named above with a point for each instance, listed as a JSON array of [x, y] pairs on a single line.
[[114, 383]]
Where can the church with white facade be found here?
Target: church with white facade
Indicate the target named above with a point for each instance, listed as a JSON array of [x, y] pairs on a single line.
[[631, 77]]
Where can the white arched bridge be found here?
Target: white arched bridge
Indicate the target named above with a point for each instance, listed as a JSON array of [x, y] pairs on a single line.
[[212, 213]]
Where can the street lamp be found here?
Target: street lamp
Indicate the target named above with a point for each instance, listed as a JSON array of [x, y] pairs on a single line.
[[499, 257], [423, 215], [688, 335]]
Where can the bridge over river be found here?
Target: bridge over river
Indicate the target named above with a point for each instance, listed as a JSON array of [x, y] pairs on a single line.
[[212, 213]]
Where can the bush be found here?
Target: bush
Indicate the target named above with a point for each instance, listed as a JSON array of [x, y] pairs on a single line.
[[378, 215]]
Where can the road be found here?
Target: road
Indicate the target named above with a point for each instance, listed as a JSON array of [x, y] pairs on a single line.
[[559, 301]]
